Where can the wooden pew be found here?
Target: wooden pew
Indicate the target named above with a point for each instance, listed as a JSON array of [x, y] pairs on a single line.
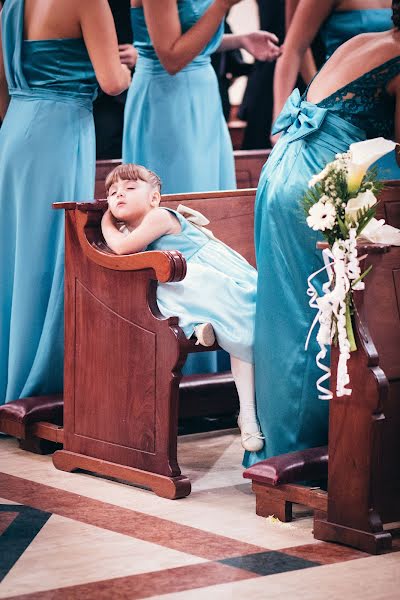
[[122, 358], [363, 467], [248, 165]]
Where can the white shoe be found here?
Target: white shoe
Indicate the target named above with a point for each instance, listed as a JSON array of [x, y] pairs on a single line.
[[251, 436], [205, 334]]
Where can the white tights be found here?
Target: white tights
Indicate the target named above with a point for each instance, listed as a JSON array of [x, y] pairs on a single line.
[[243, 375]]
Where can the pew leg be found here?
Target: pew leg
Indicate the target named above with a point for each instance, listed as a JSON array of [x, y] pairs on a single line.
[[269, 501], [367, 541], [171, 488]]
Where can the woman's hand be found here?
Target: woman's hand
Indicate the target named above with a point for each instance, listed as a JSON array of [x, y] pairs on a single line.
[[128, 55], [262, 45]]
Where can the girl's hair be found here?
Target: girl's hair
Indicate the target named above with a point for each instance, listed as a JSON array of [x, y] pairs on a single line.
[[132, 172], [396, 13]]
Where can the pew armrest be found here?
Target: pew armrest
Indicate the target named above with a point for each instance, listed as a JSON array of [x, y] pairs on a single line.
[[167, 265]]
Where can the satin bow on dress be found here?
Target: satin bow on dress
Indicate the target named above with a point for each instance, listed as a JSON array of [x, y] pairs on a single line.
[[299, 118]]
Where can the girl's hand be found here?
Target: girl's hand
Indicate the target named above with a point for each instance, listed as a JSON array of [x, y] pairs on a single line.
[[262, 45], [128, 55]]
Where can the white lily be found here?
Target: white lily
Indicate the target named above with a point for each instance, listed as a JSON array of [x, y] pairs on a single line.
[[363, 155], [363, 200], [380, 233]]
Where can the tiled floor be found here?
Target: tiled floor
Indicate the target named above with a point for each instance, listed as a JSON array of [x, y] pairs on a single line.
[[70, 536]]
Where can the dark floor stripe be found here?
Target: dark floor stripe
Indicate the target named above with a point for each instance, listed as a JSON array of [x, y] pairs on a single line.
[[121, 520], [269, 563], [19, 534]]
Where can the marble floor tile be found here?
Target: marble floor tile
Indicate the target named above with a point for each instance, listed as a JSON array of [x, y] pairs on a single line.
[[372, 578], [204, 508], [67, 552]]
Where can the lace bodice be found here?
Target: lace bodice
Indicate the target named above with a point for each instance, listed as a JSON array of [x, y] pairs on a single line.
[[365, 101]]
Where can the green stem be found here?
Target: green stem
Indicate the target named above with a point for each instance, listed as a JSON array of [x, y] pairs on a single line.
[[349, 329]]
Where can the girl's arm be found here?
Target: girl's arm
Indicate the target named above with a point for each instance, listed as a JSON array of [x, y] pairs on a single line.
[[176, 49], [98, 30], [260, 44], [4, 96], [156, 223], [308, 18]]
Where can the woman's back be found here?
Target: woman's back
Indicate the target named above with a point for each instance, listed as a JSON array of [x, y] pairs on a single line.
[[55, 67], [357, 83], [51, 19]]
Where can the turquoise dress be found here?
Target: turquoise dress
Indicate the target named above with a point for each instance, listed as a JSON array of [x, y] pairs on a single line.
[[338, 29], [341, 26], [219, 288], [290, 414], [47, 154], [174, 125]]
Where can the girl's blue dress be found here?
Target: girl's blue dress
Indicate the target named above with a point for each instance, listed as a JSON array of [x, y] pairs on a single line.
[[339, 27], [290, 414], [219, 288], [47, 154], [174, 125]]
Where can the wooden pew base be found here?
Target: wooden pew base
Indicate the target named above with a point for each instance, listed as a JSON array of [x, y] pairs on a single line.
[[367, 541], [171, 488], [278, 500]]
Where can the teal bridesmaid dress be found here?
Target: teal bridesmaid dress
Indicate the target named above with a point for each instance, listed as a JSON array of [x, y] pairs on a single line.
[[47, 154], [339, 27], [174, 125], [290, 414]]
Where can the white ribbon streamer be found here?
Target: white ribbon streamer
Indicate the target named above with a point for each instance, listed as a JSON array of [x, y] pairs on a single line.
[[332, 308]]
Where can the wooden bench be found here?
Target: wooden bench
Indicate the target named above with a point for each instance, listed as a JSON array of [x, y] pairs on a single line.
[[248, 165], [122, 358], [364, 443]]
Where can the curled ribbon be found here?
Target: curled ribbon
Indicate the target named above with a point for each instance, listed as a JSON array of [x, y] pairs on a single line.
[[332, 309]]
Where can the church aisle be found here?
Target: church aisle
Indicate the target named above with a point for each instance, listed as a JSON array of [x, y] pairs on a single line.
[[67, 536]]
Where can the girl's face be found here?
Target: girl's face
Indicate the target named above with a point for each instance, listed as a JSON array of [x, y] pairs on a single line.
[[130, 200]]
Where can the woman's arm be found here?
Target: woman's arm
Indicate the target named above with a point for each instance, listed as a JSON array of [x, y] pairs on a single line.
[[174, 48], [308, 68], [156, 223], [100, 37], [260, 44], [4, 96], [308, 18]]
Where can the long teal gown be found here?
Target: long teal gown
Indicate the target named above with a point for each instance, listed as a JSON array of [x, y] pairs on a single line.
[[339, 27], [47, 154], [290, 414], [174, 125]]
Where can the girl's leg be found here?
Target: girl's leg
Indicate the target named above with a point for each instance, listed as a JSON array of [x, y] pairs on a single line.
[[243, 374]]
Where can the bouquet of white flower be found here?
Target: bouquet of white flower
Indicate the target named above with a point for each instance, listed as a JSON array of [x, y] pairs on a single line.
[[341, 203]]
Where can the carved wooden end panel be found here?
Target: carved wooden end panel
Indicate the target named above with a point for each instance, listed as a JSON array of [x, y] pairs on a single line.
[[121, 389], [364, 441]]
